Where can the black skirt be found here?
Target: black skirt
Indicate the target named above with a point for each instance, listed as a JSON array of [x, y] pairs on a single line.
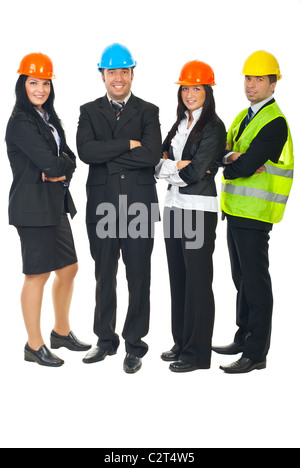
[[47, 249]]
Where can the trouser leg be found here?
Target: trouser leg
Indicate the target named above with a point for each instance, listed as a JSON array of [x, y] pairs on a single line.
[[136, 255], [199, 300], [242, 309], [253, 250], [191, 275], [177, 273], [106, 253]]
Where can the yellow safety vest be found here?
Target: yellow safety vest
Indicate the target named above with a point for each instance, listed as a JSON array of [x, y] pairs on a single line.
[[262, 196]]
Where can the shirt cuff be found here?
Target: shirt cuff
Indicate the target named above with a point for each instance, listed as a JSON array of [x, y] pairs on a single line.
[[176, 180], [166, 168], [226, 157]]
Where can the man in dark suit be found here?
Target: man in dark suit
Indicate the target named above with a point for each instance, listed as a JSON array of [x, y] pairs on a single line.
[[257, 181], [119, 137]]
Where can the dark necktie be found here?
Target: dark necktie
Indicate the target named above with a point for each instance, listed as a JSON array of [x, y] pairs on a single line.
[[249, 116], [118, 108]]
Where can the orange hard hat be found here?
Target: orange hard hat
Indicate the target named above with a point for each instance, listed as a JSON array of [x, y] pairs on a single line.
[[38, 66], [196, 73]]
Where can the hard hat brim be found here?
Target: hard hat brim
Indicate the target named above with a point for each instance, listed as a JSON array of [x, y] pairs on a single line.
[[116, 66], [37, 76], [279, 76], [188, 83]]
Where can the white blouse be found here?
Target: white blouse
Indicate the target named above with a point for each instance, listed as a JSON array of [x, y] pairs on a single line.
[[167, 170]]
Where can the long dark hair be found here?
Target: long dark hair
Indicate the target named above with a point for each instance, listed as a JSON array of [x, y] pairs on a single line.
[[208, 114], [23, 104]]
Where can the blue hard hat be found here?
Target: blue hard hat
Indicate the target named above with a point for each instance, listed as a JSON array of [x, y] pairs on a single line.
[[116, 56]]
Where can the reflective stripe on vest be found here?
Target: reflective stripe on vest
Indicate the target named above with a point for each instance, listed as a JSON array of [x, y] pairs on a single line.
[[262, 196], [274, 170], [255, 193]]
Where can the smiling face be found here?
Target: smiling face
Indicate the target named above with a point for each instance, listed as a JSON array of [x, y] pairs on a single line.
[[193, 97], [118, 83], [38, 91], [258, 88]]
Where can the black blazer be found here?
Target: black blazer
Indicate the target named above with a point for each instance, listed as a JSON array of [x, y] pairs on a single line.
[[206, 155], [32, 150], [103, 143]]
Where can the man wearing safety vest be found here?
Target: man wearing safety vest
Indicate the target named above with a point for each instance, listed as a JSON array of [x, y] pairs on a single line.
[[257, 180]]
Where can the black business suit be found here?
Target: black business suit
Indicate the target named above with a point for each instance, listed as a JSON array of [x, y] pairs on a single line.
[[191, 270], [248, 243], [104, 143], [35, 207]]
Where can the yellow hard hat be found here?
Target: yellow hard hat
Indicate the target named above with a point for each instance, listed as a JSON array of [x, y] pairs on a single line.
[[261, 63]]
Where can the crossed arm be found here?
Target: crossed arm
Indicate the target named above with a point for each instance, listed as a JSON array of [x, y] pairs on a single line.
[[122, 153], [267, 145]]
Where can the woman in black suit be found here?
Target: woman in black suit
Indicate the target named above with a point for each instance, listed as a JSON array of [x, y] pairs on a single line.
[[193, 151], [42, 166]]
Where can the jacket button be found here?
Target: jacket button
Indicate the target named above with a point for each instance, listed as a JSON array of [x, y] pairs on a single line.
[[122, 176]]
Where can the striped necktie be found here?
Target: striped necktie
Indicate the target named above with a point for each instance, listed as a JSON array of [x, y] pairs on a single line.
[[118, 108], [249, 116]]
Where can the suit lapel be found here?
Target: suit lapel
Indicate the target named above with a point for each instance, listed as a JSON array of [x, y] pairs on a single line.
[[128, 113], [189, 147], [107, 111], [46, 132]]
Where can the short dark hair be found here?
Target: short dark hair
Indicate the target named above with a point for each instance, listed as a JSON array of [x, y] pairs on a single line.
[[273, 79]]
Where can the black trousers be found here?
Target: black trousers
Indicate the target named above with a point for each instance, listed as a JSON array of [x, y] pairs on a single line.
[[136, 254], [191, 277], [249, 256]]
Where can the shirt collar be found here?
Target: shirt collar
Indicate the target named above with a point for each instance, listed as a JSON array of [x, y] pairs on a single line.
[[125, 100], [196, 113], [45, 116], [261, 104]]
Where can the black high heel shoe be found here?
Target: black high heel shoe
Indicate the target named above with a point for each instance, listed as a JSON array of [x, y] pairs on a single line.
[[43, 357], [70, 342]]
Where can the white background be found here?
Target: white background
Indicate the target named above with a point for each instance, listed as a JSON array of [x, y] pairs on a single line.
[[99, 405]]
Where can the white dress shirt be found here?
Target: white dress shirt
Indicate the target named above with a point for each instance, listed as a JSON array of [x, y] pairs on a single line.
[[168, 170]]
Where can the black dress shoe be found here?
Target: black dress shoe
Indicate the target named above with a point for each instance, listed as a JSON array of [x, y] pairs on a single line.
[[243, 366], [70, 342], [132, 364], [43, 357], [182, 366], [97, 354], [230, 350], [169, 356]]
